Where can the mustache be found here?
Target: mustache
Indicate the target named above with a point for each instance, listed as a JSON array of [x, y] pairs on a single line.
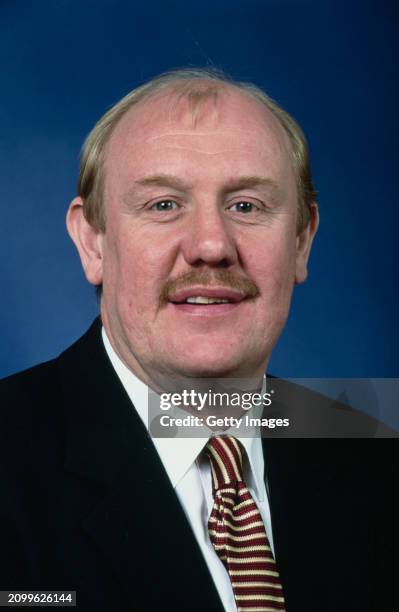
[[209, 278]]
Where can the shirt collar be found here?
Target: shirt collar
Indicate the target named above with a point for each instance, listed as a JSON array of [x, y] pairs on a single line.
[[178, 454]]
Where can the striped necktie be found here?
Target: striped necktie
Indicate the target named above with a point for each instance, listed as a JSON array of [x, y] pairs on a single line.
[[238, 534]]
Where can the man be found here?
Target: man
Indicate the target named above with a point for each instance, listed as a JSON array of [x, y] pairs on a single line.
[[194, 218]]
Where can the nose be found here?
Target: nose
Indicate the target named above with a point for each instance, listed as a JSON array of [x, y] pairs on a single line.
[[208, 238]]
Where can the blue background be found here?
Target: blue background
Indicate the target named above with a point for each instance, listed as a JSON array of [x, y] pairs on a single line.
[[332, 64]]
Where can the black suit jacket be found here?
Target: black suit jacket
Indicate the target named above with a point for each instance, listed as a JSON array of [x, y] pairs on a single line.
[[87, 506]]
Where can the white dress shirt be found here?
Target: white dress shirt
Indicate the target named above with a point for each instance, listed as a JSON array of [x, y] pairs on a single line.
[[190, 475]]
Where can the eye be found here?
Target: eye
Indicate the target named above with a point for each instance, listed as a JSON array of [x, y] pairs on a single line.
[[164, 205], [243, 207]]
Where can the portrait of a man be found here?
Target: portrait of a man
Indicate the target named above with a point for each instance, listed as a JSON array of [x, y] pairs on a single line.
[[194, 220]]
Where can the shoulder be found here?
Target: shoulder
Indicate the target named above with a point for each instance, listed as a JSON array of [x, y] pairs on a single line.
[[26, 398], [29, 384], [30, 422], [311, 414], [39, 385], [33, 408]]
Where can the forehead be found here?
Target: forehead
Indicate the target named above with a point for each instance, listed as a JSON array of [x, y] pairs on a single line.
[[228, 125]]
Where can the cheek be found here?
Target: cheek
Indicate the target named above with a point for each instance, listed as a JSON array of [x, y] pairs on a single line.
[[273, 270], [136, 265], [271, 263]]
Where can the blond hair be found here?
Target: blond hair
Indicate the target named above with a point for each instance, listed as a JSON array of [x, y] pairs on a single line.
[[196, 85]]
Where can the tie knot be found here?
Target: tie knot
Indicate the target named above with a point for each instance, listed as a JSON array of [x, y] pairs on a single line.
[[225, 456]]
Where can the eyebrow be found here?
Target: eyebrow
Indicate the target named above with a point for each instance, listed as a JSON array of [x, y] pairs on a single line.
[[243, 182], [249, 182], [162, 180]]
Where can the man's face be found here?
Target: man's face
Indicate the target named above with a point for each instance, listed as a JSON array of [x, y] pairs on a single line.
[[196, 211]]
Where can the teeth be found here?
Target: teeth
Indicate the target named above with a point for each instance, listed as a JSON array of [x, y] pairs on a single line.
[[200, 299]]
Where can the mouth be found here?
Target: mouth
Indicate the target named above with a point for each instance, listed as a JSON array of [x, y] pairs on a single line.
[[207, 300]]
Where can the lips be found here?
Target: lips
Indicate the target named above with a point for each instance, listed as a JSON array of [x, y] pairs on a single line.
[[205, 296]]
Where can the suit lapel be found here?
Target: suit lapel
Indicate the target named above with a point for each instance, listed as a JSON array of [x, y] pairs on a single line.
[[136, 520]]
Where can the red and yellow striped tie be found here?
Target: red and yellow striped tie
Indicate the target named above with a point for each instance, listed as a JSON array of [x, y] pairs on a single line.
[[238, 534]]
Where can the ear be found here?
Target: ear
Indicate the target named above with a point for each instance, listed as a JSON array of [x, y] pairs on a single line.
[[303, 244], [87, 240]]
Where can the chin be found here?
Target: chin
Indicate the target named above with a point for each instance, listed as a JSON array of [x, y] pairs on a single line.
[[210, 368]]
